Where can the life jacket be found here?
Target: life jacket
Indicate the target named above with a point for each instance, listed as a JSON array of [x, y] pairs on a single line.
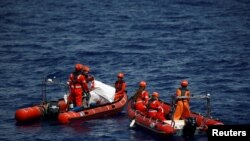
[[75, 83], [142, 97], [151, 103], [183, 93], [75, 77], [154, 106], [118, 85]]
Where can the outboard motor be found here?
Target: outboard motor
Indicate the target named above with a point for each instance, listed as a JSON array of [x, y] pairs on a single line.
[[190, 127], [53, 110]]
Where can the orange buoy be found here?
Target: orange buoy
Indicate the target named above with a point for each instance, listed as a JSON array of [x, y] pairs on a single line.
[[28, 114]]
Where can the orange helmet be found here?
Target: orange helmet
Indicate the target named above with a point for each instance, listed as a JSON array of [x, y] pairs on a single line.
[[78, 67], [85, 68], [120, 75], [184, 83], [142, 84], [155, 94]]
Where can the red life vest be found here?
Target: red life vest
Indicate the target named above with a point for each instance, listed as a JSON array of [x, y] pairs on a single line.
[[76, 80], [118, 85], [183, 92]]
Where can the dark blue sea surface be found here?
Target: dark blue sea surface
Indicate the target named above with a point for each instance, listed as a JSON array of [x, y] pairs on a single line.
[[162, 42]]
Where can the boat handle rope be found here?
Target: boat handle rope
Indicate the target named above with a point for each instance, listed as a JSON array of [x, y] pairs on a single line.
[[136, 113], [172, 123], [150, 119], [204, 121]]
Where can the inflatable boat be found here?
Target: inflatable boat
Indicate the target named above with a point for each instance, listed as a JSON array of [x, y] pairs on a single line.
[[196, 124], [105, 110], [58, 110]]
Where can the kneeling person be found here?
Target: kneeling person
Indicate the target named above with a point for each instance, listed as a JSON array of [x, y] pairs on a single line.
[[155, 110]]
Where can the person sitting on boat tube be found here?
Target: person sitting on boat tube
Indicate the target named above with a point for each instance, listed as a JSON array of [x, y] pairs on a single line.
[[77, 83], [155, 109], [120, 86], [141, 98], [182, 109]]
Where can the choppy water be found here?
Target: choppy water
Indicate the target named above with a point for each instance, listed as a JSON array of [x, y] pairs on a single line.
[[161, 42]]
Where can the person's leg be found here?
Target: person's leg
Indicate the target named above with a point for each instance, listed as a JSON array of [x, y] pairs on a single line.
[[178, 110]]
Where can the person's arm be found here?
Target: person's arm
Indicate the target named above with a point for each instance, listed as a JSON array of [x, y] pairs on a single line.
[[178, 92], [69, 82], [84, 83], [85, 86], [188, 94], [146, 97]]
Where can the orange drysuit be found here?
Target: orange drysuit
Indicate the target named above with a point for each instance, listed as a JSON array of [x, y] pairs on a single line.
[[120, 88], [142, 101], [155, 110], [78, 85], [182, 105]]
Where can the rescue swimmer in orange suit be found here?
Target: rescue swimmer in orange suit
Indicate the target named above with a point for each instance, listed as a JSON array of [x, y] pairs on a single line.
[[120, 87], [141, 98], [182, 109], [77, 83], [155, 109]]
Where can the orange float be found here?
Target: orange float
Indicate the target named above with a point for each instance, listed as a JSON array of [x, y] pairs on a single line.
[[29, 113], [39, 111]]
